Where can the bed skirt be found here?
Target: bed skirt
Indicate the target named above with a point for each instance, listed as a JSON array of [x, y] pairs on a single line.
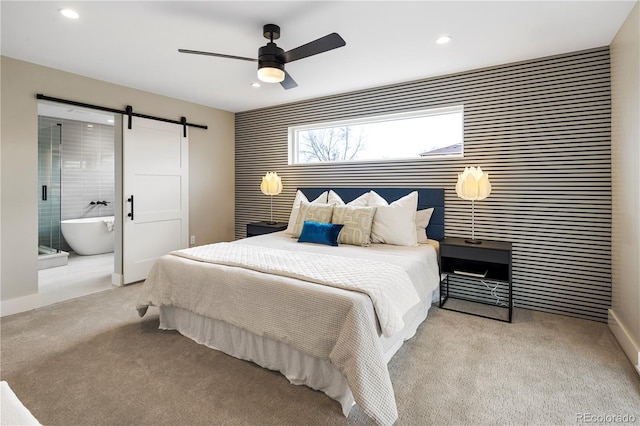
[[298, 367]]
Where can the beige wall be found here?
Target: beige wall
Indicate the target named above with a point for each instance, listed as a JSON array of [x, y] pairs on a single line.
[[211, 158], [624, 316]]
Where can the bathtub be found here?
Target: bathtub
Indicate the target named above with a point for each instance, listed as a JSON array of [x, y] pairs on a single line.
[[91, 235]]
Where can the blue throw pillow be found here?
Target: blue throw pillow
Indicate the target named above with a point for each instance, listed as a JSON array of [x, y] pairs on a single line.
[[320, 233]]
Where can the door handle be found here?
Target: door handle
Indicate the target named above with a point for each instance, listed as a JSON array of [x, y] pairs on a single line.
[[130, 200], [44, 192]]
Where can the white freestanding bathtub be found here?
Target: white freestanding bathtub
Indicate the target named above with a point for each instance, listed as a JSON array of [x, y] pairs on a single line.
[[91, 235]]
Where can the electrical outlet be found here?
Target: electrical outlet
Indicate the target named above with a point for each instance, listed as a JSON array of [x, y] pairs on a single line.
[[192, 240]]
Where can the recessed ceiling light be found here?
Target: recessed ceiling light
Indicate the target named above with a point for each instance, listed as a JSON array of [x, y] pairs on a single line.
[[255, 84], [69, 13], [443, 39]]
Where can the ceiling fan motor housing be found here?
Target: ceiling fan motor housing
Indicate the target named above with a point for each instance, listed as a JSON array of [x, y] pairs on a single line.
[[270, 56]]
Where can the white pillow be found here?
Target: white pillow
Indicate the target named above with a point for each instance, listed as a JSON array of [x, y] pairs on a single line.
[[396, 223], [334, 199], [422, 221], [361, 201], [374, 199], [300, 197]]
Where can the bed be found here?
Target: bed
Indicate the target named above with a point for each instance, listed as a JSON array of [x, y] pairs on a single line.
[[329, 317]]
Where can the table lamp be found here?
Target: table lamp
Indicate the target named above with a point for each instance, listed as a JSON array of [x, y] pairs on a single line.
[[473, 184], [271, 185]]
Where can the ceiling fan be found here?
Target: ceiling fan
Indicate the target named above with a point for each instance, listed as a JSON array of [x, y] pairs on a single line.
[[271, 58]]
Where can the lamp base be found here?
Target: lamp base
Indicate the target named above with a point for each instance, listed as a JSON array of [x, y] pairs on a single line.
[[471, 241], [271, 222]]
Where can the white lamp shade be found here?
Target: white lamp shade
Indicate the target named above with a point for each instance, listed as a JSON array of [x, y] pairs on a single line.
[[270, 75], [271, 184], [473, 184]]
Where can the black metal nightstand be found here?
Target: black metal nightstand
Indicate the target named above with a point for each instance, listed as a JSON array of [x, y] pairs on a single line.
[[476, 274], [261, 228]]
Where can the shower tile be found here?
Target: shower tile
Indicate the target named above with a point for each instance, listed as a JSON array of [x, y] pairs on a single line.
[[87, 167]]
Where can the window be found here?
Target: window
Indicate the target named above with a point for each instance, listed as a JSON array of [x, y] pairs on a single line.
[[419, 134]]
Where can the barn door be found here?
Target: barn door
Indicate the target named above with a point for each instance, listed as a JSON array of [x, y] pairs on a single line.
[[156, 194]]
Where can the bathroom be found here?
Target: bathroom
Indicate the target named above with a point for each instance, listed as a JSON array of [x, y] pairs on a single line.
[[76, 191]]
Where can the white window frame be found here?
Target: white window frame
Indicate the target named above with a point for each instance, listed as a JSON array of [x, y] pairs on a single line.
[[293, 132]]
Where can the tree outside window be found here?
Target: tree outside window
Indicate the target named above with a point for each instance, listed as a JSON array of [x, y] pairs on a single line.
[[332, 144]]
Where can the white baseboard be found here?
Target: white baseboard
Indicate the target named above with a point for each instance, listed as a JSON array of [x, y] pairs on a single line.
[[629, 345], [19, 304], [117, 279]]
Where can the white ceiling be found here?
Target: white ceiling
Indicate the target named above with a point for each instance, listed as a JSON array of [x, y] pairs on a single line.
[[135, 43]]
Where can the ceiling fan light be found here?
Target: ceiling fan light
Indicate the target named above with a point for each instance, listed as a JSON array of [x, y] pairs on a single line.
[[270, 75], [69, 13]]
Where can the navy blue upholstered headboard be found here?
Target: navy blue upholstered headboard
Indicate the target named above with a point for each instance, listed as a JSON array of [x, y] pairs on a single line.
[[427, 198]]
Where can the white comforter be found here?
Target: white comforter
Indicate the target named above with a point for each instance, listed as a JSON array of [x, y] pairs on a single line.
[[388, 285], [326, 322]]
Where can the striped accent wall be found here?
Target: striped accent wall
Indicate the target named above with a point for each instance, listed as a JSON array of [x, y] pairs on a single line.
[[540, 128]]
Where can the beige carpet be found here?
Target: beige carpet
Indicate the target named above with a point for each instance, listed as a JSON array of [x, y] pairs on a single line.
[[93, 361]]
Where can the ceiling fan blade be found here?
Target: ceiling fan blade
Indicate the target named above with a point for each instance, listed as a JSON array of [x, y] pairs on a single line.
[[219, 55], [323, 44], [288, 82]]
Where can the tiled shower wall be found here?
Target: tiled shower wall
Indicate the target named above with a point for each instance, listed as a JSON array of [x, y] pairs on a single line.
[[87, 168]]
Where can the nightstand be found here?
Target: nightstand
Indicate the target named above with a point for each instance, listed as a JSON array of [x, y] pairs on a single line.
[[476, 278], [261, 228]]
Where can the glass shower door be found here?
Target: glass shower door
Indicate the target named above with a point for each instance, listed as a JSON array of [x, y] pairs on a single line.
[[49, 188]]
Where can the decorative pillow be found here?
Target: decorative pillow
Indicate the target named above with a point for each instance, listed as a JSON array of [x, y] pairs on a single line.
[[396, 223], [314, 213], [357, 224], [320, 233], [422, 221], [296, 208]]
